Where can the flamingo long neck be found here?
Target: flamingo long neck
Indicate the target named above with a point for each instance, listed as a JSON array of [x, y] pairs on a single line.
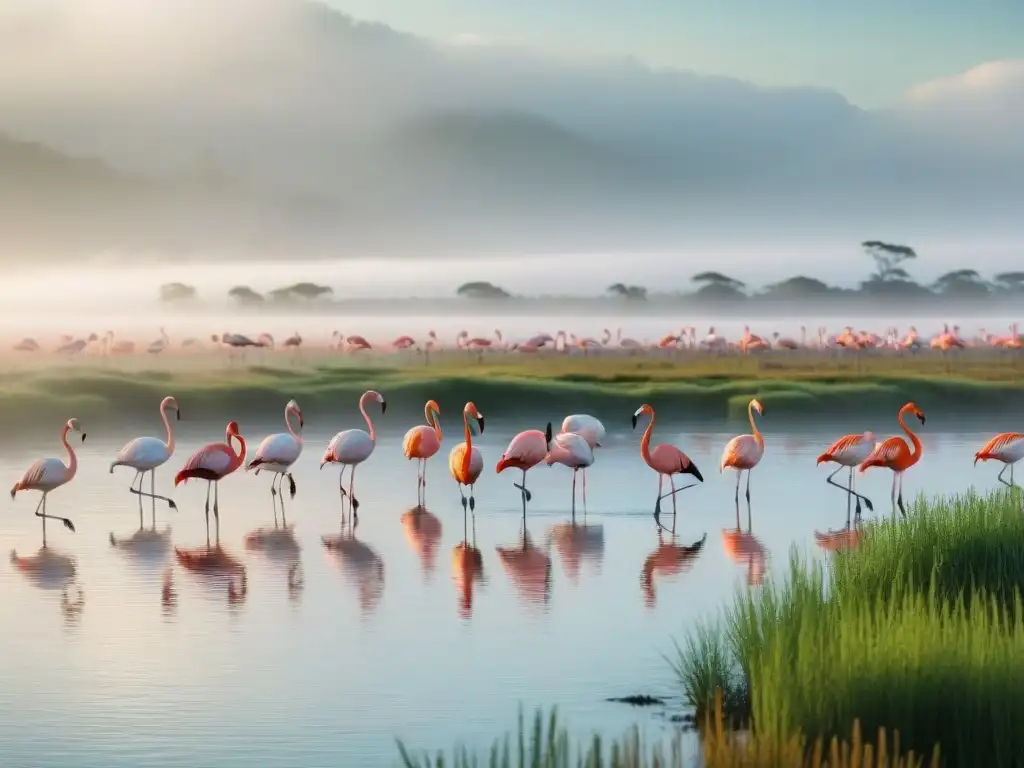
[[467, 455], [645, 441], [288, 414], [366, 417], [72, 467], [753, 426], [432, 422], [916, 452], [170, 429], [240, 454]]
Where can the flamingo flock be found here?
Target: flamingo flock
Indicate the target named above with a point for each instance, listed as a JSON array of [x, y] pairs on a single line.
[[574, 447]]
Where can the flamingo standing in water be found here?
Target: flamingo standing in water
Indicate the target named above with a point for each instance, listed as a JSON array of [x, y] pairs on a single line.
[[352, 447], [1007, 447], [277, 453], [145, 454], [420, 443], [526, 451], [465, 461], [666, 460], [212, 463], [591, 430], [45, 475], [573, 451], [896, 455], [849, 451], [744, 452]]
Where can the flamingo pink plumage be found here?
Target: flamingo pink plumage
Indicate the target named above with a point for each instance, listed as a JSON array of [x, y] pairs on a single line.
[[420, 443], [744, 452], [849, 451], [1007, 447], [666, 460], [212, 463], [526, 451]]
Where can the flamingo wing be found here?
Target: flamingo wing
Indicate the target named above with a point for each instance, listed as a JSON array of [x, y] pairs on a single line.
[[669, 460], [1005, 446], [738, 452], [588, 427], [43, 473], [848, 450], [888, 451], [215, 457], [350, 446], [280, 448], [143, 453], [577, 448]]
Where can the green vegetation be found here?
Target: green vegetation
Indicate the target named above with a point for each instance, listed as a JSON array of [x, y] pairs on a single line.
[[701, 386], [720, 747], [920, 628]]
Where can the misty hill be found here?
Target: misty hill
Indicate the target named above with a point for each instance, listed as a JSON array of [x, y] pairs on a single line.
[[376, 137]]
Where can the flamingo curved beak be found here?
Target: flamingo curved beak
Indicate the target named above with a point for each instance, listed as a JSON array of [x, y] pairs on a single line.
[[634, 421], [548, 434], [383, 406], [177, 415], [920, 417], [83, 437], [480, 423], [692, 470]]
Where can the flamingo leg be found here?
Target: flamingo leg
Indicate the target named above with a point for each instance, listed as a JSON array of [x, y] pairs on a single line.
[[216, 510], [584, 490], [737, 496], [464, 502], [748, 486], [672, 484], [899, 496], [209, 486], [999, 477], [131, 488], [152, 493], [280, 495], [472, 502], [850, 490], [42, 514], [341, 491], [574, 494], [527, 496], [273, 496], [152, 490], [657, 501], [352, 495]]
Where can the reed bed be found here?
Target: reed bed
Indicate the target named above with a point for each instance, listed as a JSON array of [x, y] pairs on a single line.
[[891, 634], [721, 747]]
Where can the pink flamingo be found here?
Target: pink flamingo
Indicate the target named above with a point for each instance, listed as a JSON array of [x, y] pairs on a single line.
[[212, 463], [744, 452], [667, 461], [145, 454], [277, 453], [420, 443], [465, 462], [573, 451], [46, 475], [849, 451], [526, 451], [352, 447], [403, 342]]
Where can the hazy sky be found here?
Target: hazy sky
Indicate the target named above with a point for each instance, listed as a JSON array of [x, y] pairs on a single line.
[[871, 51]]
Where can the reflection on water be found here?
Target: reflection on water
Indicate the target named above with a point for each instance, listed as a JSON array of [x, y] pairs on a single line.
[[833, 541], [668, 559], [189, 648], [744, 548]]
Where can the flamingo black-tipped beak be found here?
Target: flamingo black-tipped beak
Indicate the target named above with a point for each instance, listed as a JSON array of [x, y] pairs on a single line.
[[177, 415], [692, 470], [301, 423], [920, 416], [83, 437], [322, 464], [383, 407], [548, 433], [634, 421], [480, 423]]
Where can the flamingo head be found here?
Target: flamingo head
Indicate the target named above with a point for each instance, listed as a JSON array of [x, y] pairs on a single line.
[[471, 411], [756, 405], [645, 408], [232, 430], [912, 408], [378, 397], [170, 404], [74, 426], [433, 412], [293, 407]]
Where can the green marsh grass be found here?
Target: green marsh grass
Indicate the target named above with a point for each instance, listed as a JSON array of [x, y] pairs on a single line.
[[720, 747], [919, 628]]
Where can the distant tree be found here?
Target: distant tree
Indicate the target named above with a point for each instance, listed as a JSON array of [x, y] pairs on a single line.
[[243, 294], [632, 292], [1012, 282], [798, 287], [961, 284], [481, 289], [715, 286], [304, 291], [177, 292], [888, 257]]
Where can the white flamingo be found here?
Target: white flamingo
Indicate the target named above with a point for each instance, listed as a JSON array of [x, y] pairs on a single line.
[[352, 447]]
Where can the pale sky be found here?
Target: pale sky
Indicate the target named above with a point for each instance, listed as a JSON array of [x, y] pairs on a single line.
[[870, 51]]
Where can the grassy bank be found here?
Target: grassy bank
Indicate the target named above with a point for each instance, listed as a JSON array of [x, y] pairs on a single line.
[[920, 629], [720, 748], [705, 388]]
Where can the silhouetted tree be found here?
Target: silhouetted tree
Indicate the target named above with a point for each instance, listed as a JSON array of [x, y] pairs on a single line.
[[718, 287], [798, 287], [961, 283], [243, 294], [632, 292], [1011, 282], [481, 289], [177, 292], [887, 258], [305, 291]]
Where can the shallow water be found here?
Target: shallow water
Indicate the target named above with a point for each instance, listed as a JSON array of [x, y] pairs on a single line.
[[379, 642]]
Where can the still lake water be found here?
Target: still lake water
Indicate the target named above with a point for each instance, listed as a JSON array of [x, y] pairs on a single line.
[[381, 646]]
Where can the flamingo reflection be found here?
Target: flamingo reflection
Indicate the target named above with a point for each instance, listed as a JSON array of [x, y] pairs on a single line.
[[576, 542], [238, 588], [360, 564], [144, 541], [278, 542], [47, 569], [423, 532], [743, 548], [529, 567], [846, 537], [668, 559], [72, 603], [467, 570], [168, 596], [296, 581]]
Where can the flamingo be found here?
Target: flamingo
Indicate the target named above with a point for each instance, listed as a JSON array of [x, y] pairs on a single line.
[[526, 451], [46, 475], [666, 460], [294, 341], [894, 454], [744, 452], [27, 345], [145, 454], [591, 430], [573, 451], [352, 447], [1007, 447], [465, 461], [160, 344], [212, 463], [420, 443], [669, 559], [849, 451], [277, 453]]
